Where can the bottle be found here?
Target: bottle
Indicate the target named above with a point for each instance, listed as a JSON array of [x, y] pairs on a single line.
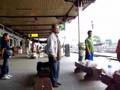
[[109, 64], [109, 68]]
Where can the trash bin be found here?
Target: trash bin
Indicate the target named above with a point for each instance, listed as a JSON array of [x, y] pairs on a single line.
[[67, 50]]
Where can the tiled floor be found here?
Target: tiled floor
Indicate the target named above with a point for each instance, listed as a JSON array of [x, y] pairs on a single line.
[[24, 71]]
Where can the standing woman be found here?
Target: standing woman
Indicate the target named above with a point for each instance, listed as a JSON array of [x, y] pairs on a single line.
[[6, 53]]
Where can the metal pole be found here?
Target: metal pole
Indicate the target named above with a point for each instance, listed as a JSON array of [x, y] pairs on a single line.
[[79, 57]]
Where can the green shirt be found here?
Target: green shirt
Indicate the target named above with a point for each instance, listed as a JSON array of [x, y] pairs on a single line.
[[89, 44]]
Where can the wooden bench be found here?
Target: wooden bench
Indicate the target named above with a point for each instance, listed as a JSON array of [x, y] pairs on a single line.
[[43, 83], [92, 73], [113, 83]]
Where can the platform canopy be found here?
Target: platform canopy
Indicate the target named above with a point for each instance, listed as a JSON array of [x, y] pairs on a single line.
[[37, 16]]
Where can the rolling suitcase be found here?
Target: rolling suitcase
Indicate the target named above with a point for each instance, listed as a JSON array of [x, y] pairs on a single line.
[[43, 69]]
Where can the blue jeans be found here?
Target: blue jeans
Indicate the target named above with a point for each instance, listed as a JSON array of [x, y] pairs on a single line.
[[5, 66], [54, 69]]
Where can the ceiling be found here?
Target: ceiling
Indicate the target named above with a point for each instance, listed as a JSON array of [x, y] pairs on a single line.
[[37, 16]]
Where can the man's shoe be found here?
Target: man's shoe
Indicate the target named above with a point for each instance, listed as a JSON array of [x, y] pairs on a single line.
[[5, 77], [9, 75], [55, 85], [59, 83]]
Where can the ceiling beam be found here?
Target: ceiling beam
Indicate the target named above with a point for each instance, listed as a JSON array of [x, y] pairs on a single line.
[[85, 3], [29, 29], [36, 32], [28, 24], [42, 35], [50, 16], [66, 16], [25, 34], [44, 30], [33, 32]]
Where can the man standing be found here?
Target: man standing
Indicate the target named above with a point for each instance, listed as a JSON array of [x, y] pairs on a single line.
[[6, 53], [118, 51], [53, 46], [89, 46]]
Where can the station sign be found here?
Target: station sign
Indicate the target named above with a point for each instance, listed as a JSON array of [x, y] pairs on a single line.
[[34, 35]]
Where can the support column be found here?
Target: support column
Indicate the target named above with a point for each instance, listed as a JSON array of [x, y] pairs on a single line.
[[79, 10]]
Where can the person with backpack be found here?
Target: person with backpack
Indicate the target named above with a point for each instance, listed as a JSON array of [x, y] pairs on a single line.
[[53, 51]]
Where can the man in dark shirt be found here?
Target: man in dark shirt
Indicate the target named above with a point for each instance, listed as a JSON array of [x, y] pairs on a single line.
[[5, 55]]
